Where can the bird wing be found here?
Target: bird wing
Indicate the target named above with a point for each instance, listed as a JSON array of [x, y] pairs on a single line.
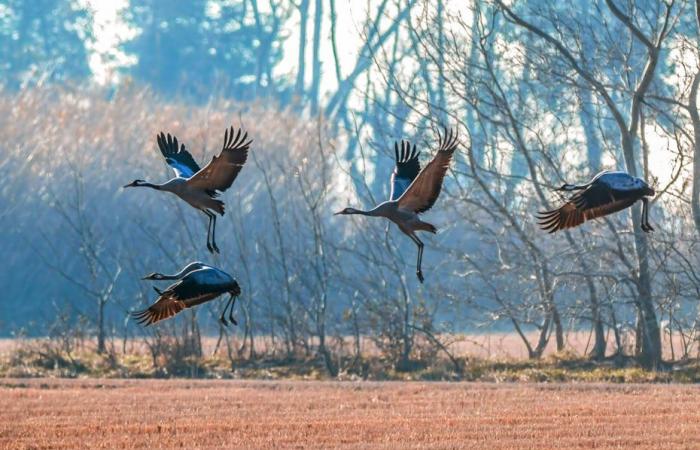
[[220, 173], [164, 308], [593, 202], [179, 159], [407, 168], [193, 289], [423, 192]]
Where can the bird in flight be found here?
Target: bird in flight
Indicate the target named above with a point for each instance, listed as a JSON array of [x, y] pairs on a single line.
[[196, 283], [414, 191], [607, 193], [200, 187]]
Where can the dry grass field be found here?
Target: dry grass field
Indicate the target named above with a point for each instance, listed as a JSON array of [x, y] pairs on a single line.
[[69, 414]]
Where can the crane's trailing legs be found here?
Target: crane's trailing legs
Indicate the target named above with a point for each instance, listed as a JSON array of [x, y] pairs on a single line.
[[646, 226], [211, 232], [222, 318], [230, 312], [419, 243], [229, 306]]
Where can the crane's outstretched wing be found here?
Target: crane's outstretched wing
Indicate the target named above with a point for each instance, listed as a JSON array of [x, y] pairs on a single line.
[[407, 168], [164, 308], [422, 194], [193, 289], [220, 173], [179, 159], [591, 203]]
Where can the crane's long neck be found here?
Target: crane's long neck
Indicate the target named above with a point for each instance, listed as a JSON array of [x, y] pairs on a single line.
[[157, 187], [371, 213], [189, 268], [575, 187], [176, 276], [168, 186]]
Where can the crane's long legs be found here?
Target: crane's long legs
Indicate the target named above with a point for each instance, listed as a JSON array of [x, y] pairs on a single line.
[[646, 226], [222, 319], [419, 243], [213, 233], [208, 228], [211, 245], [230, 311]]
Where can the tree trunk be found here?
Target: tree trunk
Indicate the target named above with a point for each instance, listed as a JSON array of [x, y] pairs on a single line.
[[599, 344], [543, 340], [327, 357], [650, 351], [316, 68], [301, 62], [101, 302], [650, 354], [586, 115], [695, 118]]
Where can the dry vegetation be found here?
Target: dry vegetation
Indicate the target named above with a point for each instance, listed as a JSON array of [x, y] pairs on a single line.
[[70, 414], [487, 358]]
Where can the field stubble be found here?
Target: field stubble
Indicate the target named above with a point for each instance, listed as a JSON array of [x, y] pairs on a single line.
[[66, 414]]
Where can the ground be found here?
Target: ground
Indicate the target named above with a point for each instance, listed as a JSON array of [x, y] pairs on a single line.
[[68, 414]]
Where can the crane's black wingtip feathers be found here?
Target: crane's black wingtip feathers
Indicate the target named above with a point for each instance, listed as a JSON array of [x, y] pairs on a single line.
[[406, 153], [449, 141], [170, 147], [142, 317], [234, 141], [549, 221]]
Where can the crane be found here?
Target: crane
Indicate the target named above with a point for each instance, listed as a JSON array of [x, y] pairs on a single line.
[[200, 187], [196, 283], [414, 191], [608, 192]]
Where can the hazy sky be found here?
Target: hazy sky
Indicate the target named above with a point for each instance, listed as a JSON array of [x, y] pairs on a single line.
[[109, 31]]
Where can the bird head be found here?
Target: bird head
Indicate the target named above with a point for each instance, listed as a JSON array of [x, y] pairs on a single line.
[[649, 191], [135, 183], [347, 211], [154, 276]]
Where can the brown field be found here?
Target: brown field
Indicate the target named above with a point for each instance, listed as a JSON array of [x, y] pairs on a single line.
[[67, 414]]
